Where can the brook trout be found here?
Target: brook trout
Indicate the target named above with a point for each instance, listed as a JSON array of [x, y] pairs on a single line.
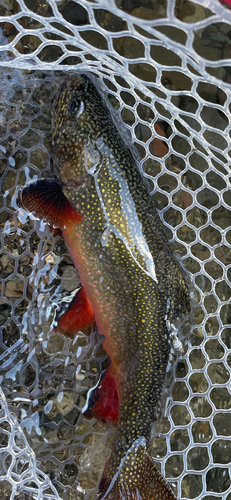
[[131, 282]]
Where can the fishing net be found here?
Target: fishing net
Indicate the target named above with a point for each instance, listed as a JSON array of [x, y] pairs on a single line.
[[165, 66]]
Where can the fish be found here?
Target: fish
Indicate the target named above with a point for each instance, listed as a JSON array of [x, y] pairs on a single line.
[[132, 284]]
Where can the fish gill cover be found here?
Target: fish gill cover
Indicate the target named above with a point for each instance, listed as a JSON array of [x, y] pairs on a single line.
[[166, 69]]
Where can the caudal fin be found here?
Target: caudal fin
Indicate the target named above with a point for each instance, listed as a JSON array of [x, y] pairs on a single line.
[[136, 479]]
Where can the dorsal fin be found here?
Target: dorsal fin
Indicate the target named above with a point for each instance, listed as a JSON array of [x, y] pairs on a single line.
[[45, 200]]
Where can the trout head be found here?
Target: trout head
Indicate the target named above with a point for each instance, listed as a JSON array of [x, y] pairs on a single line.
[[79, 117]]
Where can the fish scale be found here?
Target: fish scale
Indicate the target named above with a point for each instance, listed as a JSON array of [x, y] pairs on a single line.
[[130, 277]]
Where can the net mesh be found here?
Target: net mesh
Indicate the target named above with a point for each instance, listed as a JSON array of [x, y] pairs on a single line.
[[166, 69]]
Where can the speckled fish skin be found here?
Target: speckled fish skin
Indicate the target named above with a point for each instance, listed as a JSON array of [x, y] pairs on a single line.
[[126, 266], [128, 270]]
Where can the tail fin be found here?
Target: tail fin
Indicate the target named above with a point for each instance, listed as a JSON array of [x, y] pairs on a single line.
[[136, 479]]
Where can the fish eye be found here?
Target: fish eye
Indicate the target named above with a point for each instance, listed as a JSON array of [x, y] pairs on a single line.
[[72, 106], [77, 107]]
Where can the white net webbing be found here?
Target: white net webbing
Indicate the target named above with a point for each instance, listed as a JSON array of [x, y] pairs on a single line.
[[166, 68], [19, 473]]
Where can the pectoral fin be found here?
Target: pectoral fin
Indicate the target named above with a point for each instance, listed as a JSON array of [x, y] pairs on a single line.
[[78, 316], [103, 402], [45, 200]]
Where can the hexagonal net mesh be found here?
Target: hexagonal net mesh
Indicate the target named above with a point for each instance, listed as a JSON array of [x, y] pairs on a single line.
[[166, 69]]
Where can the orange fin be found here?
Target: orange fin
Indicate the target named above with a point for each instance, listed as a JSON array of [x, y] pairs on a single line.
[[78, 316], [136, 479], [103, 401], [45, 199]]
